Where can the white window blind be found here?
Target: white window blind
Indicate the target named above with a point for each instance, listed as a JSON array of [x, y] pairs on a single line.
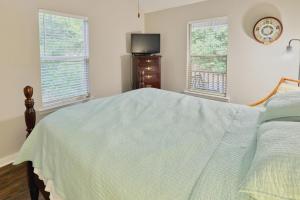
[[207, 57], [64, 58]]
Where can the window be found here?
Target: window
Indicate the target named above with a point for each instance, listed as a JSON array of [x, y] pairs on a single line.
[[207, 57], [64, 58]]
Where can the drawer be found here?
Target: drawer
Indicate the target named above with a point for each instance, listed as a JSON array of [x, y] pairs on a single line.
[[152, 85], [151, 77], [147, 61], [149, 69]]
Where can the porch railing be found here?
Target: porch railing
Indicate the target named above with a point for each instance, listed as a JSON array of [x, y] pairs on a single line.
[[213, 82]]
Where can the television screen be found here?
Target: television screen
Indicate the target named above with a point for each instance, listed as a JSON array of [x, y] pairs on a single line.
[[145, 43]]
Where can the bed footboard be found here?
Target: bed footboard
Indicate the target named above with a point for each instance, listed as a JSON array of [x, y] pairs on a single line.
[[35, 185]]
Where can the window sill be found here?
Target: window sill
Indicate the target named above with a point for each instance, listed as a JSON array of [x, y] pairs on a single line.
[[207, 96], [53, 108]]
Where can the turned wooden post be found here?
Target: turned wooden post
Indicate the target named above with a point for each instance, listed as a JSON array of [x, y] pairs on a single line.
[[30, 115], [30, 119]]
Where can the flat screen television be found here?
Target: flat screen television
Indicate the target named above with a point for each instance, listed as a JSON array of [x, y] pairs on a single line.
[[145, 43]]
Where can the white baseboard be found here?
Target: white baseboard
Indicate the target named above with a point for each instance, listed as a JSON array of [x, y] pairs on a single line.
[[7, 160]]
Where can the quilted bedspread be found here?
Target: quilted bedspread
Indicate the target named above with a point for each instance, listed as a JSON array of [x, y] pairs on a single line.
[[146, 144]]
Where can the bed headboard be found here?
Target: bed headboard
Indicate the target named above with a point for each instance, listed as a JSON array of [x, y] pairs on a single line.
[[275, 90], [30, 114]]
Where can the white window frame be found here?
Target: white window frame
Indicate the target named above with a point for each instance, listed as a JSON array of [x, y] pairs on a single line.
[[78, 99], [203, 94]]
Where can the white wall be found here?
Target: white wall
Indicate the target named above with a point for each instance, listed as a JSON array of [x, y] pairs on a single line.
[[156, 5], [110, 23], [254, 69]]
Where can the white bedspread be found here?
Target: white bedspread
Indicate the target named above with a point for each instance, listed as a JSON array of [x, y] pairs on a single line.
[[144, 145]]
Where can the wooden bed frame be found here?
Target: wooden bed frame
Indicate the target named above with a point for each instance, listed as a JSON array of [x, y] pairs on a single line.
[[36, 186]]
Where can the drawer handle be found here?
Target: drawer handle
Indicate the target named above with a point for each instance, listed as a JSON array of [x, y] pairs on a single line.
[[149, 68], [148, 61], [149, 76]]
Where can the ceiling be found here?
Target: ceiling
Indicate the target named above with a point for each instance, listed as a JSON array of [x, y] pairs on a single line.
[[156, 5]]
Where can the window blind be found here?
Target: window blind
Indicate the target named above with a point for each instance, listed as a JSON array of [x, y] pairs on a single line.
[[64, 58], [207, 57]]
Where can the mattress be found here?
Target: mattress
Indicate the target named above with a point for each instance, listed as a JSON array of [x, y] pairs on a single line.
[[145, 144]]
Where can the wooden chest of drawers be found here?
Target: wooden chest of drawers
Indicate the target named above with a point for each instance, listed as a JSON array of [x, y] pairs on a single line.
[[146, 72]]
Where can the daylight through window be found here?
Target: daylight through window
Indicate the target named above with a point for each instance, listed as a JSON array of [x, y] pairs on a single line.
[[64, 58], [207, 57]]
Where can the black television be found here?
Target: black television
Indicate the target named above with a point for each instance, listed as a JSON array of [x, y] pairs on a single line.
[[145, 43]]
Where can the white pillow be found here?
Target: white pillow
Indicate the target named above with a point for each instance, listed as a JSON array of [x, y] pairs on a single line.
[[284, 88], [282, 107], [275, 170]]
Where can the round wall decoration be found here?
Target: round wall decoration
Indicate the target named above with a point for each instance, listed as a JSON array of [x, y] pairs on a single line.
[[267, 30]]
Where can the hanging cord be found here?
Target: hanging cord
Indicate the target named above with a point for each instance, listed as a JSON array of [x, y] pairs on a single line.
[[139, 13]]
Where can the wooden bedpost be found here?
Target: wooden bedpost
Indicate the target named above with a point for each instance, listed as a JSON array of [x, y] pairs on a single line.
[[30, 119], [30, 115]]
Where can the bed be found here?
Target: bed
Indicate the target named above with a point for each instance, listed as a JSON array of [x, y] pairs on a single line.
[[145, 144]]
